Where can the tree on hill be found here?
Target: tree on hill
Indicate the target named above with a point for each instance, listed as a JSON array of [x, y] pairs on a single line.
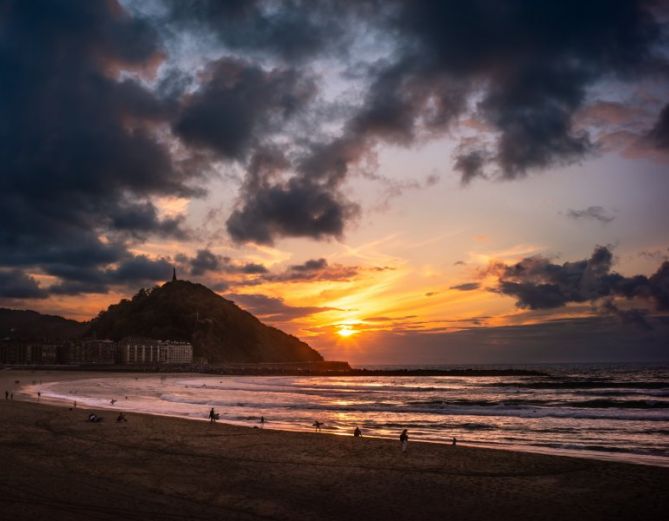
[[26, 325]]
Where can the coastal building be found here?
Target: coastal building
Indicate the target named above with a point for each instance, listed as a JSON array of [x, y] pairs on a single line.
[[28, 353], [178, 352], [141, 351], [91, 352]]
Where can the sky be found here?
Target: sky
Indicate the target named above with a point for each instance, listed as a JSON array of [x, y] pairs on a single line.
[[395, 182]]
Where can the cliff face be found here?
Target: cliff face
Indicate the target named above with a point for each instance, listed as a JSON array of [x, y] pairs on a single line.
[[218, 329]]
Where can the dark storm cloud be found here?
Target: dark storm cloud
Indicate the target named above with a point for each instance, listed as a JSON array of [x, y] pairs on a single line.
[[638, 317], [205, 261], [239, 103], [273, 308], [537, 283], [293, 30], [76, 142], [311, 203], [73, 287], [131, 271], [85, 149], [141, 270], [302, 206], [596, 213], [15, 284], [470, 164], [140, 219], [535, 61], [529, 64], [659, 134], [75, 280]]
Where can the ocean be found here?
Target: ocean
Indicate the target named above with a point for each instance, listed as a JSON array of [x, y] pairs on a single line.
[[618, 412]]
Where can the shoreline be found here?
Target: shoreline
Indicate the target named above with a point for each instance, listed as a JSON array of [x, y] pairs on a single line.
[[29, 391], [288, 369], [154, 466]]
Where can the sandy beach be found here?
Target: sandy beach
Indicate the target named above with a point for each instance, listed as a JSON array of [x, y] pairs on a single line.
[[55, 465]]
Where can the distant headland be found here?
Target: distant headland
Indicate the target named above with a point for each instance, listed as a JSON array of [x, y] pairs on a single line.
[[179, 326]]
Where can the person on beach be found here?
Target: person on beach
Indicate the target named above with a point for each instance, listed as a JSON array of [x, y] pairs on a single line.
[[262, 422], [454, 441], [212, 415], [404, 440], [112, 401], [317, 426], [6, 395], [39, 395], [357, 433]]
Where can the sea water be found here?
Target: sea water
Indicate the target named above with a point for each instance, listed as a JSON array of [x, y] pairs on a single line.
[[610, 412]]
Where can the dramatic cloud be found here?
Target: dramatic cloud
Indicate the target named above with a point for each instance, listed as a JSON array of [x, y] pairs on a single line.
[[537, 283], [529, 66], [238, 104], [300, 207], [250, 273], [536, 61], [310, 265], [107, 108], [205, 261], [80, 156], [659, 135], [141, 270], [15, 284], [596, 213], [291, 30], [272, 308]]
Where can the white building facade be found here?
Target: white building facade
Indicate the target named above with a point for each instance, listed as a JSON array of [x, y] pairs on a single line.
[[140, 351]]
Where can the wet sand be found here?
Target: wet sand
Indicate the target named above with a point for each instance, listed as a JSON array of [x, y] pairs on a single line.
[[56, 466]]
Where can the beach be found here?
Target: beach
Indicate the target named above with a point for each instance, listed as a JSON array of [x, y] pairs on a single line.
[[619, 415], [56, 465]]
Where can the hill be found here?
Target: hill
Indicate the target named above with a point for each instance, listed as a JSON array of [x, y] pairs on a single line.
[[16, 324], [218, 329]]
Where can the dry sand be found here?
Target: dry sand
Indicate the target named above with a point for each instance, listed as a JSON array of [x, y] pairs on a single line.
[[55, 465]]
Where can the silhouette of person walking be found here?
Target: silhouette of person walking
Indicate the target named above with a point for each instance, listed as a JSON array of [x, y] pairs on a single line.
[[404, 440], [317, 426], [262, 422], [454, 441], [6, 395], [212, 415], [357, 433]]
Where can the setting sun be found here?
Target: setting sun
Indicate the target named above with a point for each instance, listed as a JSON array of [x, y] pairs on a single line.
[[346, 332]]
